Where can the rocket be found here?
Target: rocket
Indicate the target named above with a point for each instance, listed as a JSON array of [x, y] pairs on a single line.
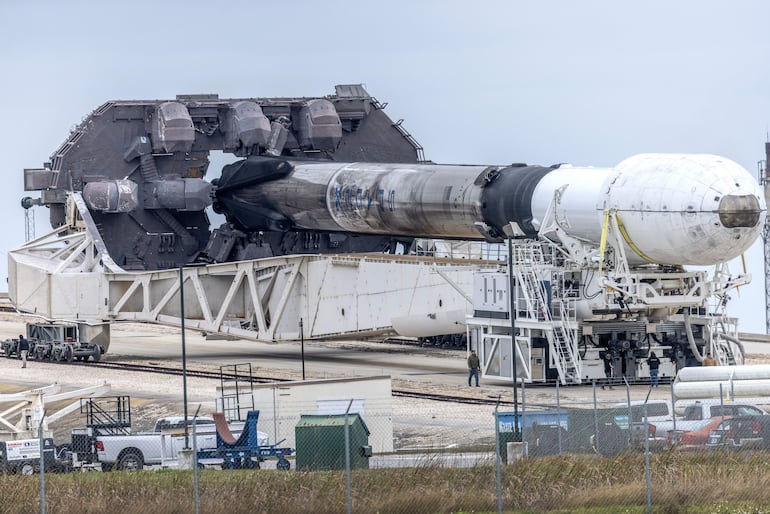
[[673, 209]]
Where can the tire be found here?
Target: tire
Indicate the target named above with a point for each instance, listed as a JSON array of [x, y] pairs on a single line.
[[283, 465], [27, 469], [131, 460]]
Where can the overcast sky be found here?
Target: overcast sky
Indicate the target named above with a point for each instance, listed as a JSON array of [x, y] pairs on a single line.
[[481, 82]]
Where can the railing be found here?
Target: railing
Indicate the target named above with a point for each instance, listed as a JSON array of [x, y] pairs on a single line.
[[529, 264]]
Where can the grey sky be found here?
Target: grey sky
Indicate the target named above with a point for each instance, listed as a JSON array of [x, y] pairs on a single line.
[[588, 82]]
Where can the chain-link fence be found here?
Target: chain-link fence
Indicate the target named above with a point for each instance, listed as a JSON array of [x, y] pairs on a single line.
[[559, 448]]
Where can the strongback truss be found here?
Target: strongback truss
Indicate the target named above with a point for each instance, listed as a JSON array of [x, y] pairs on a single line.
[[67, 275]]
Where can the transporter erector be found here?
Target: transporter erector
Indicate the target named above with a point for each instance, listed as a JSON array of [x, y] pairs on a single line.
[[327, 192]]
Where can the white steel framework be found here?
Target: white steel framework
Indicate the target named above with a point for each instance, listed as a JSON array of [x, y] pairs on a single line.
[[68, 275]]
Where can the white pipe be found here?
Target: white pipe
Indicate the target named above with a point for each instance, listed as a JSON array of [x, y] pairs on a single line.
[[739, 344], [690, 338]]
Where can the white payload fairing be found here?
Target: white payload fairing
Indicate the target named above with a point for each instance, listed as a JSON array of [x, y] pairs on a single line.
[[672, 209]]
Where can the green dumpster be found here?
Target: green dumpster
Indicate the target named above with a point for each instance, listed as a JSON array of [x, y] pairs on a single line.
[[320, 442]]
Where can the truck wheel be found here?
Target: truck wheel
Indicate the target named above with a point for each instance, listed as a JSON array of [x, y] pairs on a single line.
[[27, 469], [131, 460], [283, 465]]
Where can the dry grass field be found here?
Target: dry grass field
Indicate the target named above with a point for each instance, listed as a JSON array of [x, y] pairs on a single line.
[[681, 483]]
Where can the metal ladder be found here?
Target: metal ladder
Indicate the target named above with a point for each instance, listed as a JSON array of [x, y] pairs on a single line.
[[529, 262]]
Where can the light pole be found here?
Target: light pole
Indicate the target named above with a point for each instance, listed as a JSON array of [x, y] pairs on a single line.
[[184, 357], [512, 313], [302, 346]]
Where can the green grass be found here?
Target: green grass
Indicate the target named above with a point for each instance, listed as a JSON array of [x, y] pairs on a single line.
[[681, 483]]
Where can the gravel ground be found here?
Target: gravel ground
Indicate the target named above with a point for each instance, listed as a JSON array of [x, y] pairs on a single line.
[[417, 423]]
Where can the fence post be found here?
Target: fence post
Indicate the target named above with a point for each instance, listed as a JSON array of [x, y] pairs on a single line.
[[647, 455], [630, 417], [673, 406], [596, 419], [497, 459], [349, 500], [196, 495], [523, 415], [41, 435], [558, 412]]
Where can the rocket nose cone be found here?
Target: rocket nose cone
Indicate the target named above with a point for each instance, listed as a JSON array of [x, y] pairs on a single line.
[[739, 211], [687, 209]]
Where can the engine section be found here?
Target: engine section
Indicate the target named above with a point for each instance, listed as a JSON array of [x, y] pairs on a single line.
[[143, 167]]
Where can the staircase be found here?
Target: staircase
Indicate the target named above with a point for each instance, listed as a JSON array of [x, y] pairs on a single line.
[[722, 349], [107, 416], [534, 305]]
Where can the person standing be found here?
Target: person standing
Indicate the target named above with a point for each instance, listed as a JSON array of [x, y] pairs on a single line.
[[609, 368], [708, 360], [474, 366], [23, 350], [654, 363]]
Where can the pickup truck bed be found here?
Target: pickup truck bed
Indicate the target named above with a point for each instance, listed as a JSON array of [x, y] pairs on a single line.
[[134, 451]]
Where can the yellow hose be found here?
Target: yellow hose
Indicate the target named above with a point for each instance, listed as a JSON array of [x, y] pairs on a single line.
[[630, 243]]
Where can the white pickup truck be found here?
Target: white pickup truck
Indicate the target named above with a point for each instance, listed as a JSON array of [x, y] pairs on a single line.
[[697, 411], [161, 446]]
